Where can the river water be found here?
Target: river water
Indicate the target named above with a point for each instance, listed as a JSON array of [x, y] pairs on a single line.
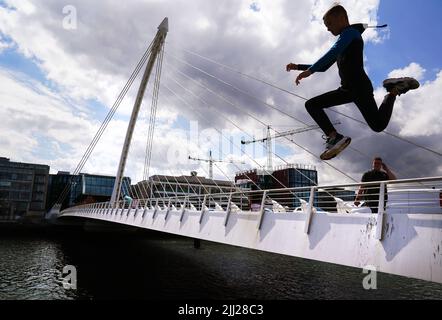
[[149, 266]]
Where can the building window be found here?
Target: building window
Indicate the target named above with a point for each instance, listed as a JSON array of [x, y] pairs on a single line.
[[40, 179], [14, 195], [5, 183], [4, 194], [37, 206], [25, 196], [38, 196]]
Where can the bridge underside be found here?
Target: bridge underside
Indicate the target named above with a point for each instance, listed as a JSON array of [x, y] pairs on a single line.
[[411, 244]]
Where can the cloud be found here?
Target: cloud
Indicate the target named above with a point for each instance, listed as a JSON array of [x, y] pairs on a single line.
[[93, 62], [412, 70], [419, 111], [4, 45]]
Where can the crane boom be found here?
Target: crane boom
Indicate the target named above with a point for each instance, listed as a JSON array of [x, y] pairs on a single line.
[[211, 161], [268, 140], [286, 133]]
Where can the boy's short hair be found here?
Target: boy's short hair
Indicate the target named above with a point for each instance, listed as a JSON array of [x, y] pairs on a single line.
[[336, 10], [377, 158]]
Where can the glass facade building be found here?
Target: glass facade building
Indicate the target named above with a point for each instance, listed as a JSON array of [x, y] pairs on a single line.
[[23, 189], [84, 188]]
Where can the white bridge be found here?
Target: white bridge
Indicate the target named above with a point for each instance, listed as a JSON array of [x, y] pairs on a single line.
[[402, 236]]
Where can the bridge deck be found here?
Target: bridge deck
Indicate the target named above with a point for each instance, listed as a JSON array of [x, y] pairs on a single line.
[[411, 244]]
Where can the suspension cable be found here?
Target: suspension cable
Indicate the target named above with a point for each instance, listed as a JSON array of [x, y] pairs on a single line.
[[303, 98], [275, 107], [105, 123], [260, 121], [264, 169]]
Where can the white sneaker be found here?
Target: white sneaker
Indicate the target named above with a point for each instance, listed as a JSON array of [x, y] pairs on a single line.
[[401, 84], [335, 146]]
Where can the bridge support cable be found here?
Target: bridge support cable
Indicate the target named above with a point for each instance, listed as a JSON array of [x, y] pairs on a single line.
[[152, 120], [104, 124], [263, 167], [265, 103], [227, 119], [261, 122], [274, 107], [161, 193], [158, 42], [238, 147], [303, 98], [205, 169], [152, 117], [277, 108], [239, 72], [188, 183], [219, 131]]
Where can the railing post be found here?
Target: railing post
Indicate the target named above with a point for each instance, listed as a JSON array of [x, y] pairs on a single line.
[[145, 209], [262, 209], [184, 209], [108, 208], [203, 207], [155, 209], [309, 210], [381, 209], [136, 210], [168, 210], [228, 210]]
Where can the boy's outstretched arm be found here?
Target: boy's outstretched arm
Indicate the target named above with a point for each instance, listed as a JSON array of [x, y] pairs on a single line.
[[305, 67], [327, 60], [302, 75], [295, 66]]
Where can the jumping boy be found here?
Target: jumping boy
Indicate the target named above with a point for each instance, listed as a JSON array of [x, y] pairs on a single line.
[[355, 85]]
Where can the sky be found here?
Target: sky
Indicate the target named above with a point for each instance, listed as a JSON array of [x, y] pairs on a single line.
[[63, 64]]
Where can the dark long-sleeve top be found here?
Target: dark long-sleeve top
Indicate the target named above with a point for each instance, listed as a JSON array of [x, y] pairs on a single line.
[[348, 53]]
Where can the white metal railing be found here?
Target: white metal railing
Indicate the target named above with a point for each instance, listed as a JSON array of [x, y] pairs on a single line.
[[402, 196]]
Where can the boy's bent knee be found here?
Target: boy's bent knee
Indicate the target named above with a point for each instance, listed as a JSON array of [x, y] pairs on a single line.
[[377, 128], [309, 104]]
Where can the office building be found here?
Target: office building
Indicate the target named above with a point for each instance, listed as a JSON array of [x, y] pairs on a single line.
[[23, 189]]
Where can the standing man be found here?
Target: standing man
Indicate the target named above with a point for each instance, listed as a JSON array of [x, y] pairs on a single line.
[[370, 193], [355, 85]]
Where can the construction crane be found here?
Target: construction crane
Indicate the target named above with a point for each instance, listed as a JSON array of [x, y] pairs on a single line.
[[268, 140], [211, 161]]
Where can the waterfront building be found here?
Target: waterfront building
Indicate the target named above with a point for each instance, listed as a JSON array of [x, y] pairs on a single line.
[[82, 188], [286, 176], [23, 189], [159, 186]]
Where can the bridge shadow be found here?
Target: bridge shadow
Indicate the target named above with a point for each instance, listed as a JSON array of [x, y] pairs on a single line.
[[187, 214], [267, 223], [204, 220], [231, 222], [168, 216], [320, 225], [400, 230]]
